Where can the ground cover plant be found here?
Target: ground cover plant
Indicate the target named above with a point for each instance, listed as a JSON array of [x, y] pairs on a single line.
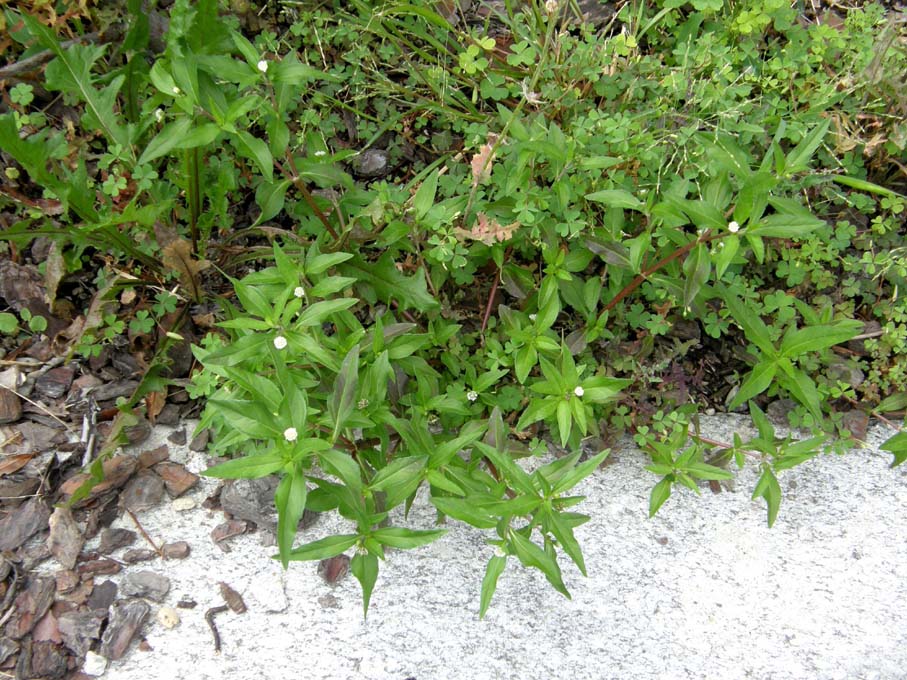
[[419, 244]]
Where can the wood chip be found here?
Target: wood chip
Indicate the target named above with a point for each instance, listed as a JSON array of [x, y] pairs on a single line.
[[152, 457], [177, 479], [232, 598], [65, 540]]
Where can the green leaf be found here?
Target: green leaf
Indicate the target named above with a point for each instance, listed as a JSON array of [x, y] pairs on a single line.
[[526, 359], [616, 198], [798, 158], [784, 226], [365, 568], [756, 382], [803, 389], [248, 467], [425, 195], [270, 198], [768, 488], [257, 151], [564, 420], [726, 254], [343, 466], [343, 399], [706, 471], [399, 479], [331, 285], [577, 474], [696, 269], [382, 280], [317, 312], [166, 140], [406, 539], [239, 351], [538, 409], [493, 571], [702, 214], [898, 446], [753, 327], [438, 479], [563, 532], [533, 556], [289, 498], [318, 263], [660, 493], [323, 548], [863, 185], [465, 510], [815, 338], [894, 402]]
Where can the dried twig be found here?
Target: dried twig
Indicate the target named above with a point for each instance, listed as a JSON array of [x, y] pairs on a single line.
[[209, 617]]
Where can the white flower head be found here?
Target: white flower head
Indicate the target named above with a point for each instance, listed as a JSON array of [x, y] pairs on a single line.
[[321, 153], [263, 66], [280, 342], [472, 395], [551, 6], [499, 551], [176, 90], [290, 434], [299, 292], [733, 227], [579, 391], [158, 115]]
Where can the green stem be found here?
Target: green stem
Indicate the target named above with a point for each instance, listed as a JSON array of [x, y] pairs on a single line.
[[193, 196]]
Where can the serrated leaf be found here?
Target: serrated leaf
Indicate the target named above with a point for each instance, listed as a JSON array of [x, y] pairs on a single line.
[[383, 281]]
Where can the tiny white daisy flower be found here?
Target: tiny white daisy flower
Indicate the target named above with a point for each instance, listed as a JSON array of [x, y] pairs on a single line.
[[280, 342], [579, 391], [263, 66], [532, 317], [290, 434], [158, 115], [551, 6], [176, 90], [321, 153], [472, 395], [733, 227], [299, 291]]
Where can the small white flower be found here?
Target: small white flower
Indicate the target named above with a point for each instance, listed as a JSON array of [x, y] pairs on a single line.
[[362, 404], [532, 317], [299, 292], [579, 391], [733, 227], [321, 153], [263, 66], [472, 395], [280, 342], [551, 6], [158, 115], [176, 90], [290, 434], [533, 98], [499, 551]]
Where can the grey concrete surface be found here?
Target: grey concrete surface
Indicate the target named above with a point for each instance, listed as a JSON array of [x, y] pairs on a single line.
[[703, 590]]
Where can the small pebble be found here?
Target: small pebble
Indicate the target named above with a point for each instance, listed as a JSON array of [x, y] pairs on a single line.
[[183, 504], [94, 665], [177, 550], [168, 617]]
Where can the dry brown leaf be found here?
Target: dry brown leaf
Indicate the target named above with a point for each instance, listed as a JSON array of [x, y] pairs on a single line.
[[482, 161], [154, 404], [489, 231], [10, 464], [177, 256], [55, 270]]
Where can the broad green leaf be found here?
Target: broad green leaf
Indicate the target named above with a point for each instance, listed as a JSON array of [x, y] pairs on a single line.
[[538, 409], [696, 269], [200, 135], [660, 493], [343, 399], [318, 263], [406, 539], [466, 511], [756, 382], [768, 488], [166, 140], [526, 359], [798, 158], [241, 350], [382, 280], [895, 402], [399, 479], [253, 299], [784, 226], [601, 389], [493, 571], [270, 198], [753, 327], [323, 548], [438, 479], [257, 151], [706, 471], [425, 195], [702, 214], [290, 499], [341, 465], [331, 285], [815, 338], [248, 467], [365, 568], [533, 556], [896, 445], [727, 249], [616, 198], [803, 389], [317, 312]]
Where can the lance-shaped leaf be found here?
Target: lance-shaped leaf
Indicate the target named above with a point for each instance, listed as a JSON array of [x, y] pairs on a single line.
[[815, 338], [768, 488], [896, 445], [406, 539], [696, 268], [323, 548], [343, 399], [399, 479], [365, 568], [756, 382], [248, 467], [493, 571], [533, 556], [290, 500]]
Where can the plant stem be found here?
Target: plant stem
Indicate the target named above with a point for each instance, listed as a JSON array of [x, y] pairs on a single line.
[[293, 176]]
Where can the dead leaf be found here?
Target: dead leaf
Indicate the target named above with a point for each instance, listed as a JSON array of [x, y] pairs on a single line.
[[488, 231], [154, 404], [9, 464], [177, 256], [482, 161], [54, 271]]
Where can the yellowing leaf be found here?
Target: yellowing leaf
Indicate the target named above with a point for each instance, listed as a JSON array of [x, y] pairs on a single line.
[[177, 256]]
